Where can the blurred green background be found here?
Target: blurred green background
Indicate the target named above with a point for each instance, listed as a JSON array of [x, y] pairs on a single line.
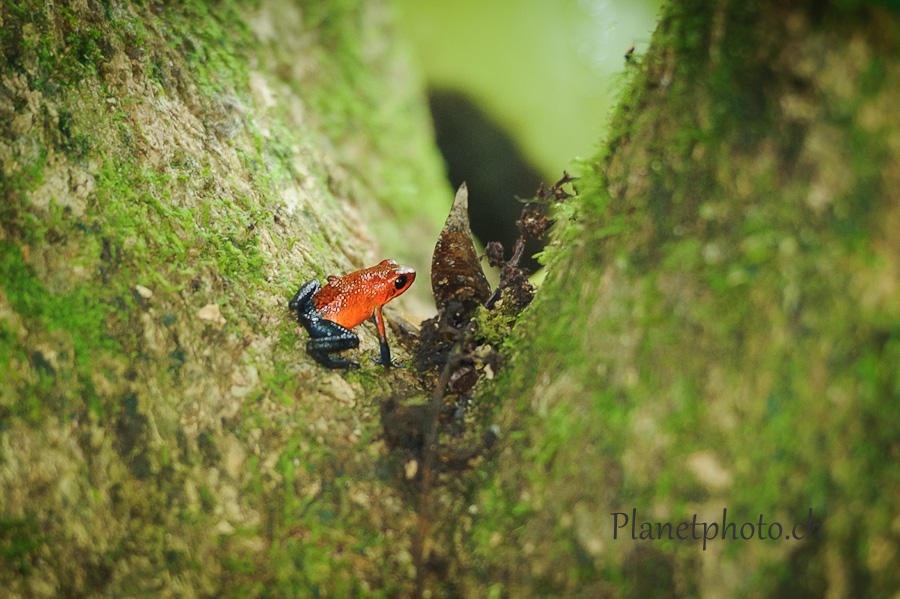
[[546, 71]]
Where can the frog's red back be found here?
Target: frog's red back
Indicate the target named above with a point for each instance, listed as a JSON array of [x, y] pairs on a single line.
[[351, 299]]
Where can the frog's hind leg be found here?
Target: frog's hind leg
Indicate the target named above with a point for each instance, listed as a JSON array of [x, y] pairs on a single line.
[[329, 337]]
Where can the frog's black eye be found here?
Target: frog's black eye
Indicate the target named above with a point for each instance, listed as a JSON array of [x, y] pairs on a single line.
[[400, 282]]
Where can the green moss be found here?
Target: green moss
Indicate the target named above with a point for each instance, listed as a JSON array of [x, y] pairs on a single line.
[[29, 177], [118, 388], [493, 326], [214, 43], [80, 313], [699, 342], [20, 542]]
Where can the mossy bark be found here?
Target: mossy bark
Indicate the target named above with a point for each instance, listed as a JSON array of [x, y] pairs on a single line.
[[171, 173], [719, 329]]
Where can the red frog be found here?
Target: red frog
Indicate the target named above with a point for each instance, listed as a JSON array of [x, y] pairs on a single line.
[[328, 313]]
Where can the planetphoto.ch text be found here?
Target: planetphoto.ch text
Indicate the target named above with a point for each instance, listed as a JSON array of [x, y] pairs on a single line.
[[709, 531]]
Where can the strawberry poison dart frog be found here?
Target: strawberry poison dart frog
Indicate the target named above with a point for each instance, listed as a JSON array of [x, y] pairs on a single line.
[[328, 313]]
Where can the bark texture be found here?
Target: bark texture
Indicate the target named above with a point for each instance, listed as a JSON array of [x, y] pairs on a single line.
[[718, 330], [720, 327], [171, 173]]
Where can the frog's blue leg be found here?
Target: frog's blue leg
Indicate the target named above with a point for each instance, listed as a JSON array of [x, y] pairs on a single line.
[[301, 298], [326, 337], [329, 337]]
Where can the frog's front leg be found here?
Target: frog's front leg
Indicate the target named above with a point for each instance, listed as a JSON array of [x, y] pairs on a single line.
[[300, 302], [384, 357], [329, 337]]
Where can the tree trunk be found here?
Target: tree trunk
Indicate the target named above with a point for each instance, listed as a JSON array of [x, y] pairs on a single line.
[[718, 331], [171, 174]]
